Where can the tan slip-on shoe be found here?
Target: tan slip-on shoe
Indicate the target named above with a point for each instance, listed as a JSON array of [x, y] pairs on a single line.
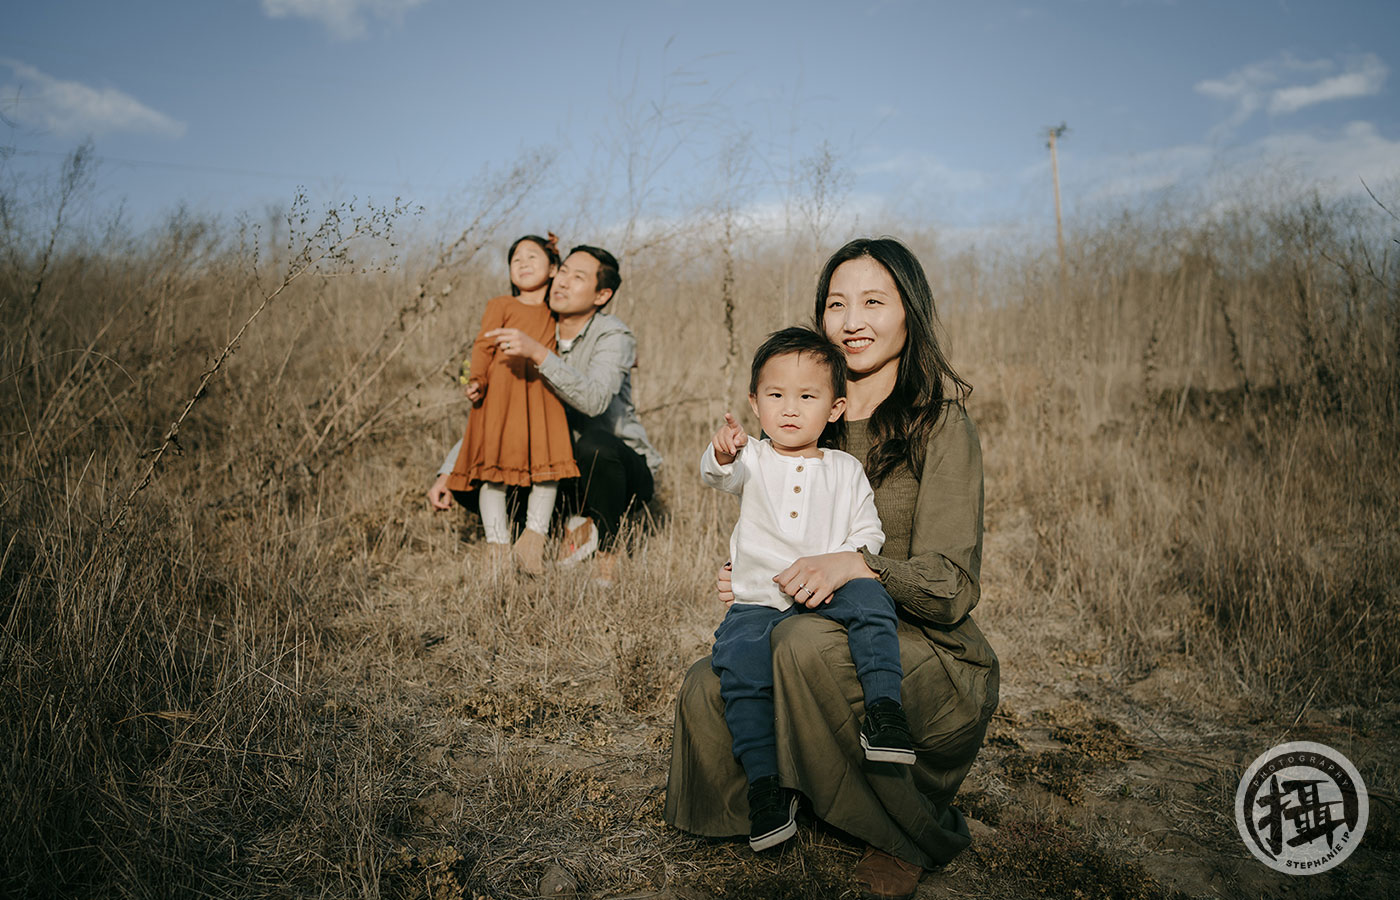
[[884, 877], [604, 569], [529, 552]]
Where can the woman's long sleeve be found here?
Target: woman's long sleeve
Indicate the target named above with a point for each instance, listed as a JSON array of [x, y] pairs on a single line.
[[940, 582]]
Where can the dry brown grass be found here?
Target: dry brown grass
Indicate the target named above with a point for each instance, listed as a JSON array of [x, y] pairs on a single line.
[[277, 673]]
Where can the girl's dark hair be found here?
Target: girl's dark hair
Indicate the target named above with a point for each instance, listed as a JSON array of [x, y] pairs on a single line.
[[548, 245], [901, 425]]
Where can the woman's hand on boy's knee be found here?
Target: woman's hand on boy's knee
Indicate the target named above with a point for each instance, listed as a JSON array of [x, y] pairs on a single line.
[[811, 580], [438, 495]]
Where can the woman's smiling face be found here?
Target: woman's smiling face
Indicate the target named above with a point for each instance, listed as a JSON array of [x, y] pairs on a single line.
[[864, 315]]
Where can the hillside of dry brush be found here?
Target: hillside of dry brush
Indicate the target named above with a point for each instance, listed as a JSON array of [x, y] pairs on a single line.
[[241, 658]]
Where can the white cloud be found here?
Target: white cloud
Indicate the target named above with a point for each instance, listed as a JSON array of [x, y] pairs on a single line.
[[1364, 77], [1336, 162], [1279, 85], [69, 108], [1244, 88], [1118, 178], [923, 172], [345, 19], [1331, 163]]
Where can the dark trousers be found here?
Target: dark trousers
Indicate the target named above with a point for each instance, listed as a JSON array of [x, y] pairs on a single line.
[[611, 477], [743, 661]]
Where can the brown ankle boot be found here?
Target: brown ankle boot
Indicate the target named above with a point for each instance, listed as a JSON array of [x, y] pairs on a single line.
[[884, 877]]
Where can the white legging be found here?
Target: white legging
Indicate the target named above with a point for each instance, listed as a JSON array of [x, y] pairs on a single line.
[[538, 509]]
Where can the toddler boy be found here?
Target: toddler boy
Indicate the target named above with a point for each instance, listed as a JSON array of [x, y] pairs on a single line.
[[797, 499]]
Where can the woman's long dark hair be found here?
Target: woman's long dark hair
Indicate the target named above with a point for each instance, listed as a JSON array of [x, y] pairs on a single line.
[[901, 425]]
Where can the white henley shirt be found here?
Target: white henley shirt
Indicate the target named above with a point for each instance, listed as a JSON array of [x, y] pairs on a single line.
[[790, 507]]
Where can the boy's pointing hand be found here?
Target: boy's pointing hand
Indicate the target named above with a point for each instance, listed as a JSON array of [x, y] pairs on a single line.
[[729, 440]]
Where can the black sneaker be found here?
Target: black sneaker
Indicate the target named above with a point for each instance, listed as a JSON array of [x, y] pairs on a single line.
[[885, 734], [772, 813]]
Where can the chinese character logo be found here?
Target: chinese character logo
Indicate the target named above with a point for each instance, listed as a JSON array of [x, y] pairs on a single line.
[[1301, 808]]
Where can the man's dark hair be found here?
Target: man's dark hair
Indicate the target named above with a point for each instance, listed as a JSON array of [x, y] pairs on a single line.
[[801, 340], [609, 278]]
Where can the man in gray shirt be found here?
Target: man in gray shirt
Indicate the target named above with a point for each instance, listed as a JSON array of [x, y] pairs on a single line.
[[591, 371]]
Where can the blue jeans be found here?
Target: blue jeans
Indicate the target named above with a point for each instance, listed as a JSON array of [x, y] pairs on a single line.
[[744, 663]]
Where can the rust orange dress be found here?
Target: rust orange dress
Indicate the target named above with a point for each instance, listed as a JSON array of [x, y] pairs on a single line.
[[520, 434]]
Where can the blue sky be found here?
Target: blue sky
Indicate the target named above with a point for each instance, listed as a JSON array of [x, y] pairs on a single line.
[[934, 111]]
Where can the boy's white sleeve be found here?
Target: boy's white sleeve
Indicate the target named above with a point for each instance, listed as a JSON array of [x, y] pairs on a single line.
[[728, 478], [866, 531]]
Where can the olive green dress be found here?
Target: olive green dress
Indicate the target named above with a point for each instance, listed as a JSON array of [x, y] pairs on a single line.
[[930, 564]]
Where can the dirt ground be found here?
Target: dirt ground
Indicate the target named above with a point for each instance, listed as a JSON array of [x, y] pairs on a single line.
[[1090, 785]]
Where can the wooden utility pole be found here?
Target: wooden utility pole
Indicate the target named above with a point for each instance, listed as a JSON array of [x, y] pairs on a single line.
[[1055, 134]]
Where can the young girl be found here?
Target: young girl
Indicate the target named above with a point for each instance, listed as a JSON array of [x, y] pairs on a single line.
[[517, 433]]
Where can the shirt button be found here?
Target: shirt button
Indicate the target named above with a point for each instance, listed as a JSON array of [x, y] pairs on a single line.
[[799, 468], [793, 514], [797, 489]]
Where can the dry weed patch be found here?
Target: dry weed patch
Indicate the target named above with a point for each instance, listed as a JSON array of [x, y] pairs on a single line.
[[814, 865], [442, 873], [524, 707], [522, 812], [1060, 771], [1098, 739], [1037, 858]]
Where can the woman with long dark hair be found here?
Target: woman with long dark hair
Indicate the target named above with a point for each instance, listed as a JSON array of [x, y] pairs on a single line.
[[906, 420]]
